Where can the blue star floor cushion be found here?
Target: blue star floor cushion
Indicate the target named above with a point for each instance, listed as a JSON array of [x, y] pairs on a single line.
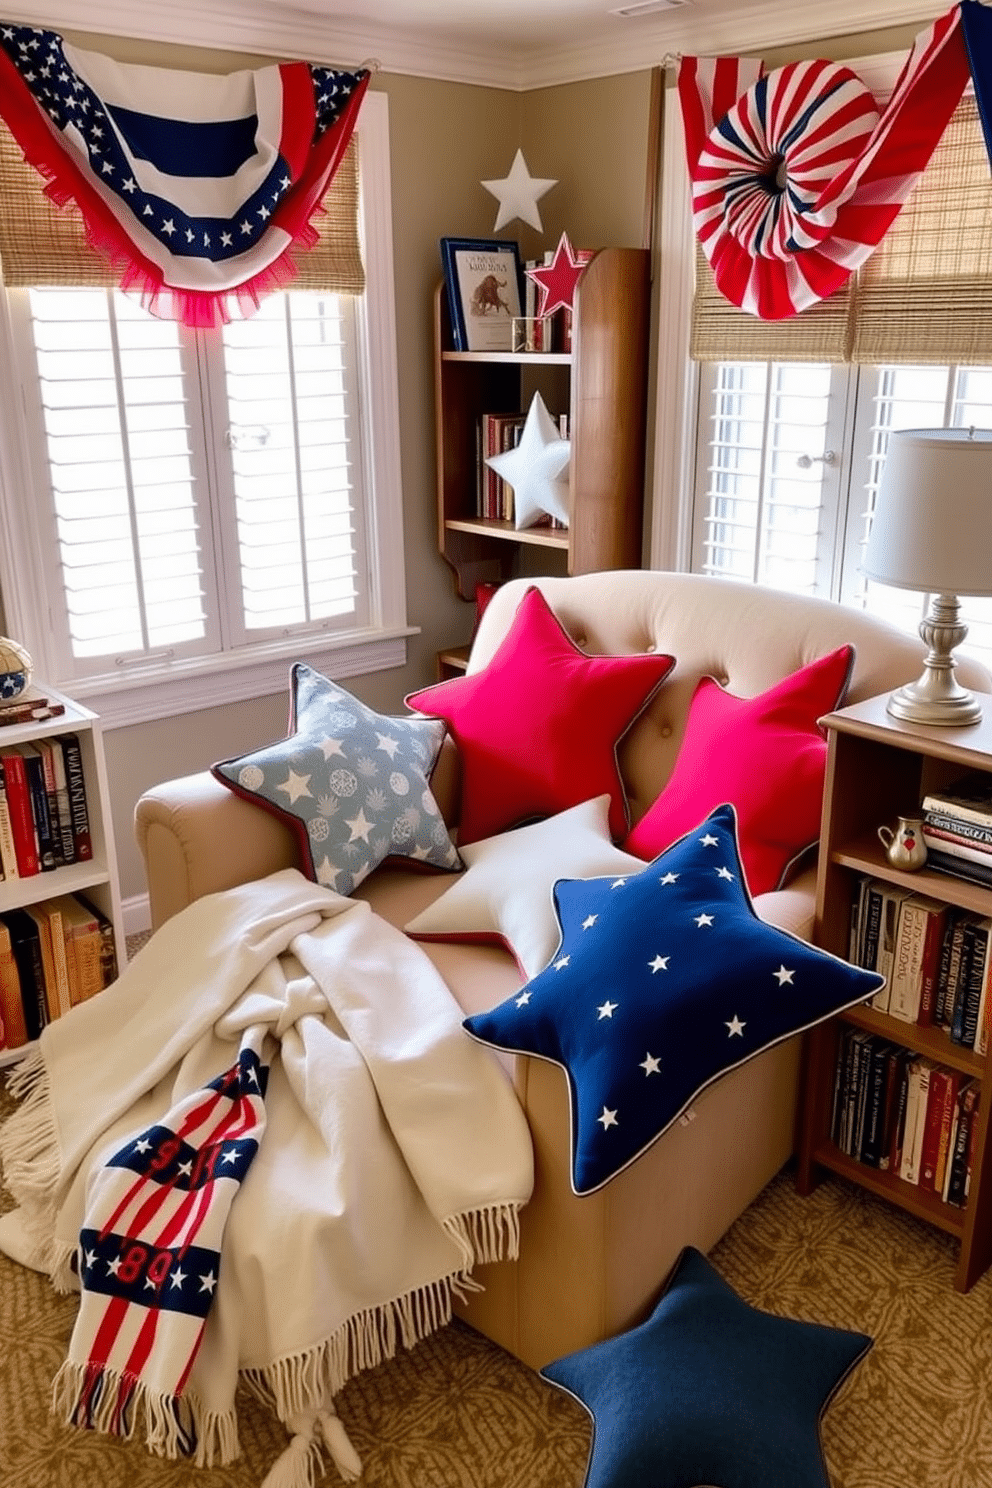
[[709, 1391], [663, 980]]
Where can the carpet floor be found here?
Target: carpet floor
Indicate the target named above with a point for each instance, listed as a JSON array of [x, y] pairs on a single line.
[[457, 1412]]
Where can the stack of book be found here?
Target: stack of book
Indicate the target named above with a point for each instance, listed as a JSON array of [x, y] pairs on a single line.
[[902, 1113], [936, 960], [957, 827], [44, 817], [53, 955]]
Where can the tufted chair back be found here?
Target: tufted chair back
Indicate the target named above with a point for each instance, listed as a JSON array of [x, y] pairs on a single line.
[[746, 636]]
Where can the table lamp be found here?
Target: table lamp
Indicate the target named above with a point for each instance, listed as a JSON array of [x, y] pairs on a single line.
[[932, 530]]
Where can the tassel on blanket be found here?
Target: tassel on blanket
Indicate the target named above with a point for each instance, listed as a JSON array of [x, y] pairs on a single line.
[[295, 1468]]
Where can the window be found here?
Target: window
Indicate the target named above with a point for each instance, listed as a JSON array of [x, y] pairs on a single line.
[[198, 502], [779, 442], [789, 458]]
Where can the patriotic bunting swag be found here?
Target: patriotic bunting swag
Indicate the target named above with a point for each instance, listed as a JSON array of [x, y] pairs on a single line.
[[188, 183], [796, 175]]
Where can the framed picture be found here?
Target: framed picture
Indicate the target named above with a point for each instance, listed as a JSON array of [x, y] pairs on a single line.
[[483, 277]]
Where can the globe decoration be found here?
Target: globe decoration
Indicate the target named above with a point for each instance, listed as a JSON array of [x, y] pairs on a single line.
[[16, 668]]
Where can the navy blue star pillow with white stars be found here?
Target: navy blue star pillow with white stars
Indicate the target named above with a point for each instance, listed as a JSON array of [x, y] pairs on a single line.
[[352, 783], [662, 982], [709, 1390]]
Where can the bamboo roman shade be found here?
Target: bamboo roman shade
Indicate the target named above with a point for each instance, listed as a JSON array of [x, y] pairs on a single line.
[[41, 244], [924, 295]]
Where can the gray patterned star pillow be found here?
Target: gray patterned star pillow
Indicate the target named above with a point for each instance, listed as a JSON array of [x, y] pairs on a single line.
[[352, 783]]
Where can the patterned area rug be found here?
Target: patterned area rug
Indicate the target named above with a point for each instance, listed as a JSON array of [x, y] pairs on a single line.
[[457, 1412]]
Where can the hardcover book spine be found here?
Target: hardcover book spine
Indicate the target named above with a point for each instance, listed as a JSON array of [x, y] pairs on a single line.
[[962, 983], [905, 987], [972, 998], [76, 782], [940, 1093], [21, 819], [8, 852], [11, 1005], [52, 795], [930, 966], [39, 807], [871, 1147], [967, 1103]]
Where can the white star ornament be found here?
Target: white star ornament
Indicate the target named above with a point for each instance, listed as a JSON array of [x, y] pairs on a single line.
[[518, 195], [537, 469]]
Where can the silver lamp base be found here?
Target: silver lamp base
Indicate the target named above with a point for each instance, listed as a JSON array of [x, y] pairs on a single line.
[[937, 698]]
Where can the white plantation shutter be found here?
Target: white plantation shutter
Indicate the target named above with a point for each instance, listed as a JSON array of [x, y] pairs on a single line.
[[766, 469], [112, 401], [291, 429], [904, 397]]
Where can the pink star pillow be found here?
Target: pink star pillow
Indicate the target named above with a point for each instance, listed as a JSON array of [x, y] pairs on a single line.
[[538, 728], [766, 755]]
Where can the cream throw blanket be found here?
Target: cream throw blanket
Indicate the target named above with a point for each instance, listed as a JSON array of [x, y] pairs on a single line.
[[394, 1154]]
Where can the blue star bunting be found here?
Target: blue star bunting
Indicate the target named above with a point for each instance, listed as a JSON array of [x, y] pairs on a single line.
[[662, 982], [709, 1390]]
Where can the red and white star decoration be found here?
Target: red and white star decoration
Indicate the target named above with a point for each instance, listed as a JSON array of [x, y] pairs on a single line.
[[556, 281]]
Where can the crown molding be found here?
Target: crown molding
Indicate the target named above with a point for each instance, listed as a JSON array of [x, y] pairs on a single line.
[[591, 50]]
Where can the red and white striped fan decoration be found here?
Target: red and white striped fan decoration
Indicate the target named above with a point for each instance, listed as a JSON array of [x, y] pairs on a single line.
[[796, 174]]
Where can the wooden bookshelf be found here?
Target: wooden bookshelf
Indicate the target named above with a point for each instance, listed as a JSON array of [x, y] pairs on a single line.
[[878, 768]]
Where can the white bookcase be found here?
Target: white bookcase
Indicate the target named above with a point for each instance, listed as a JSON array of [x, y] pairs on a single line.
[[97, 877]]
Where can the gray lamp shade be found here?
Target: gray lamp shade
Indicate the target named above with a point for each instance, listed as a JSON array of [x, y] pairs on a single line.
[[932, 527]]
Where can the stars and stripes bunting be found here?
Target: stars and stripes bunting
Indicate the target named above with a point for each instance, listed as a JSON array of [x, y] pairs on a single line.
[[796, 174], [196, 187]]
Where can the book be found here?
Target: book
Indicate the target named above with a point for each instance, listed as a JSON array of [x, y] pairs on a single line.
[[21, 818], [920, 919], [940, 829], [967, 1104], [937, 1126], [76, 786], [862, 1096], [960, 866], [900, 1114], [893, 898], [948, 990], [955, 846], [842, 1079], [108, 947], [83, 936], [956, 1010], [30, 707], [870, 935], [968, 798], [895, 1071], [8, 852], [870, 1151], [39, 806], [965, 1027], [58, 800], [31, 973], [917, 1101], [34, 911], [948, 1115], [11, 1006]]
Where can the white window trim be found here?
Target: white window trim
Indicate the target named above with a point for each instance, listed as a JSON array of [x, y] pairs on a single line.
[[672, 488], [165, 689]]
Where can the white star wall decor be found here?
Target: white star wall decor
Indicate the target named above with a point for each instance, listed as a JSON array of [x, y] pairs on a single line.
[[537, 469], [518, 195]]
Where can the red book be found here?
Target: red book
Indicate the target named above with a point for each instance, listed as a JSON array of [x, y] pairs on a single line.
[[940, 1111], [15, 780]]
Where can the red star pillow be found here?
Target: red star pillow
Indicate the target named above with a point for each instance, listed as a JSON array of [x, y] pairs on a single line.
[[766, 755], [538, 728]]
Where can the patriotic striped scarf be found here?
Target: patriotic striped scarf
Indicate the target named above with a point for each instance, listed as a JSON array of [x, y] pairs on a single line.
[[796, 175], [197, 188]]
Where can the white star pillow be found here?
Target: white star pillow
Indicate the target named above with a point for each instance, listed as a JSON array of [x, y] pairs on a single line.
[[506, 895], [518, 194], [537, 469]]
